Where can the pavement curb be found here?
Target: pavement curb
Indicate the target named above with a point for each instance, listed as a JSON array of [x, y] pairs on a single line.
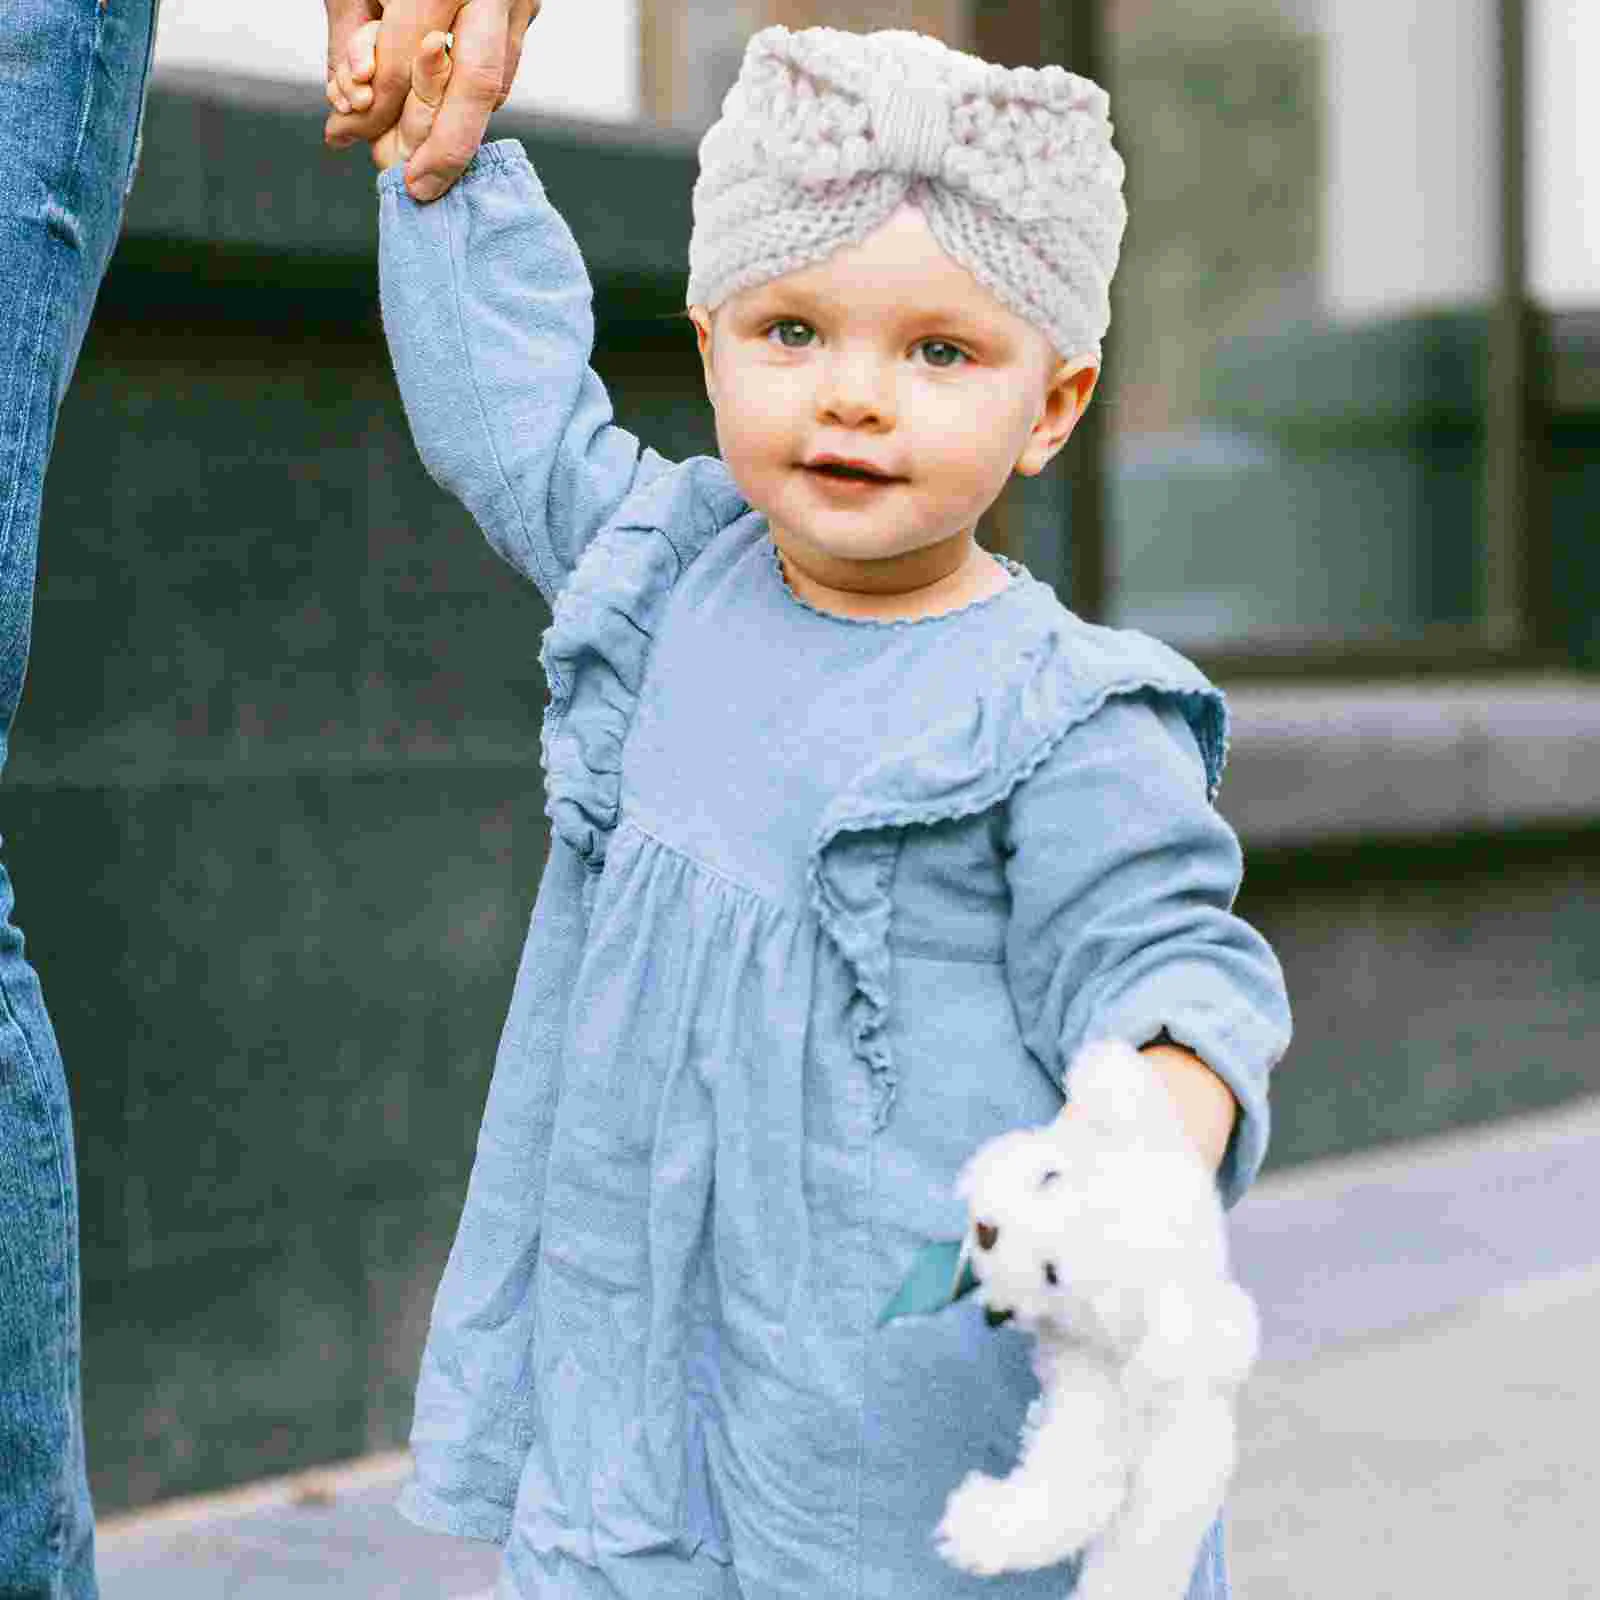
[[313, 1487]]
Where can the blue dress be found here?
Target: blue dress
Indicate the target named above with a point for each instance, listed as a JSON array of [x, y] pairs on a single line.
[[829, 903]]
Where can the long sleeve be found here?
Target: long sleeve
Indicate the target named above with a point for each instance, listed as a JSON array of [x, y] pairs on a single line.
[[486, 305], [1122, 879]]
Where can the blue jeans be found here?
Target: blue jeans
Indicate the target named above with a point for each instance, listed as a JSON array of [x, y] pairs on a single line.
[[73, 75]]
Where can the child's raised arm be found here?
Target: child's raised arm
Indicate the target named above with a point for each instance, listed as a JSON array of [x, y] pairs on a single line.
[[486, 304]]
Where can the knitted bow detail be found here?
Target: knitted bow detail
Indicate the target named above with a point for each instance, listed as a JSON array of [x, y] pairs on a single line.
[[832, 106], [826, 133]]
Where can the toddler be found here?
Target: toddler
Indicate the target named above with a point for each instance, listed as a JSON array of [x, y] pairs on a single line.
[[857, 834]]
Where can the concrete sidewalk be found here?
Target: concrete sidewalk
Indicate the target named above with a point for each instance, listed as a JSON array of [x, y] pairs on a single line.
[[1425, 1420]]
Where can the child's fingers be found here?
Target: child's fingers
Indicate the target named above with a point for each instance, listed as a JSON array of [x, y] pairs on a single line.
[[336, 97]]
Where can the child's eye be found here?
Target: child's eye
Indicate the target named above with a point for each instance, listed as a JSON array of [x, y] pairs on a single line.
[[792, 335], [941, 353]]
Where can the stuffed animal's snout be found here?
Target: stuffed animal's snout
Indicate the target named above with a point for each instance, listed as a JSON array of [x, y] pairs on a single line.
[[988, 1235]]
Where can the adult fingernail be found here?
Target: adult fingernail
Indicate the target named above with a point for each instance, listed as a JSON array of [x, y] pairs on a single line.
[[424, 189]]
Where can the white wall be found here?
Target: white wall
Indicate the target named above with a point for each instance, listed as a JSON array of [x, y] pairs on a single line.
[[1409, 219], [1564, 152], [581, 59], [1409, 205]]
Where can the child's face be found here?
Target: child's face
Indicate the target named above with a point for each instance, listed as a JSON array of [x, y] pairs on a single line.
[[874, 405]]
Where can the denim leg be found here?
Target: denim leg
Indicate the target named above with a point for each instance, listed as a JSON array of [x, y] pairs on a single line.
[[73, 75]]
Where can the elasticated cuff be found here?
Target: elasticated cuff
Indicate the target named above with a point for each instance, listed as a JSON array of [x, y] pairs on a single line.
[[496, 156]]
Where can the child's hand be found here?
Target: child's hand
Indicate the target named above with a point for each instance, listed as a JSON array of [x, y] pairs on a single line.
[[430, 74]]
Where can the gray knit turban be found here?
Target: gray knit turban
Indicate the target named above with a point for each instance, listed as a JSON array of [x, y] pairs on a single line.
[[827, 133]]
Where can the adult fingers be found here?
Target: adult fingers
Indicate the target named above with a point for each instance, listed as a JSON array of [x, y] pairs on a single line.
[[357, 96], [363, 55], [405, 22], [522, 14], [481, 28], [430, 74]]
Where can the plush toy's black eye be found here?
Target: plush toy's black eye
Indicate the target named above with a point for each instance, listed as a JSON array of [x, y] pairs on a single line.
[[1050, 1274], [1049, 1176]]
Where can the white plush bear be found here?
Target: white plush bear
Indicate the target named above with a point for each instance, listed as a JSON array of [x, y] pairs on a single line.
[[1101, 1234]]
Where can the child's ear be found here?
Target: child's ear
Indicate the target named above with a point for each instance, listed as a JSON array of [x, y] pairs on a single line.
[[1066, 399], [701, 318]]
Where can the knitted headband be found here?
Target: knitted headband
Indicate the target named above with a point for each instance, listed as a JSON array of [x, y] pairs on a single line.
[[826, 133]]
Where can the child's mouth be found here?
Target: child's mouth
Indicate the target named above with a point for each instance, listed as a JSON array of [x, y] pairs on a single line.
[[849, 472]]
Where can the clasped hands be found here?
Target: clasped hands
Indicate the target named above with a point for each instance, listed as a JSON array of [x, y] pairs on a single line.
[[417, 80]]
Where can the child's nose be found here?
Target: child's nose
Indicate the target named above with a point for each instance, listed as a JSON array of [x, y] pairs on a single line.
[[856, 392]]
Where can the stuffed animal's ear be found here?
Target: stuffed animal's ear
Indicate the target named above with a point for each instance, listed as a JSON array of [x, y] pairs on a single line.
[[996, 1161], [1112, 1085]]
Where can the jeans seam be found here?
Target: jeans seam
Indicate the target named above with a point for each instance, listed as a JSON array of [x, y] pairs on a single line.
[[144, 91], [86, 105], [66, 1298]]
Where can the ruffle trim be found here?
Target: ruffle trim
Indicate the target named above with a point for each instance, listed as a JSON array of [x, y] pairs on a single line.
[[1061, 671], [597, 647]]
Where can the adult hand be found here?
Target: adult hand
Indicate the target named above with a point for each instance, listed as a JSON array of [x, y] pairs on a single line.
[[488, 50], [430, 76]]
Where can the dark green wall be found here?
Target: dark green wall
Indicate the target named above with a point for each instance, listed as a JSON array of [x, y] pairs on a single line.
[[1436, 983]]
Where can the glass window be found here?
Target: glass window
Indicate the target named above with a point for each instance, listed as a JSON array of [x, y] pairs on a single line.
[[1294, 370]]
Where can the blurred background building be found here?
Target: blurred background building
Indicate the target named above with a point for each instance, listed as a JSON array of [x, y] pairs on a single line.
[[274, 811]]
